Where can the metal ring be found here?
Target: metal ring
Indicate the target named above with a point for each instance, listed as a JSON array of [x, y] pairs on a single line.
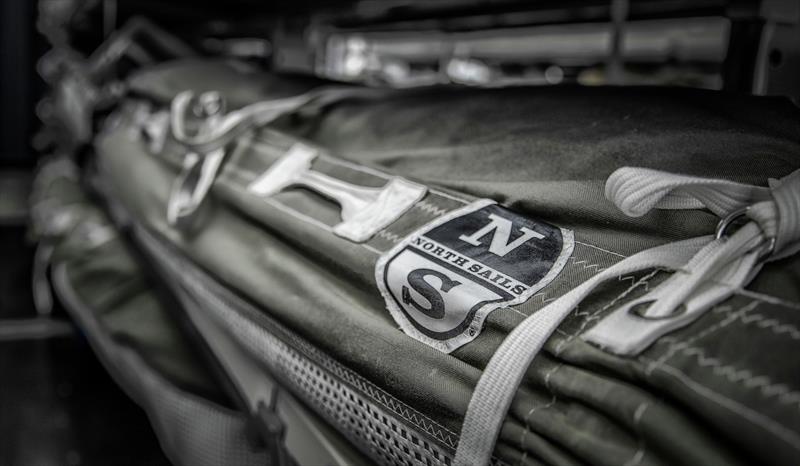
[[731, 219], [728, 221], [191, 187]]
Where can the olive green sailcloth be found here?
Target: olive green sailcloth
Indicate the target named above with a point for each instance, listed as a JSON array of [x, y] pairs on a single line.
[[389, 359]]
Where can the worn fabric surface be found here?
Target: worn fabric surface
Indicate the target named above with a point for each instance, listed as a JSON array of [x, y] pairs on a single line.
[[110, 282], [719, 391]]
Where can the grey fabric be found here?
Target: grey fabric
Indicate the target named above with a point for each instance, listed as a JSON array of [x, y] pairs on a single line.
[[690, 399], [191, 430], [241, 83], [389, 436], [129, 329], [548, 151]]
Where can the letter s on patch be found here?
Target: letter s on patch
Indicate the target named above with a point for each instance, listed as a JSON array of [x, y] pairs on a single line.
[[444, 303], [416, 279]]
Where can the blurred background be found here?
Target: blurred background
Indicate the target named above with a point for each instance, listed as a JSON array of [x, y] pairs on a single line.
[[55, 398]]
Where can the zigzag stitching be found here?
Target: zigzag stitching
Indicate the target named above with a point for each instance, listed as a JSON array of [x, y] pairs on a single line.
[[388, 235], [587, 266], [732, 373], [596, 314], [676, 345], [772, 324], [744, 377], [544, 299], [430, 208]]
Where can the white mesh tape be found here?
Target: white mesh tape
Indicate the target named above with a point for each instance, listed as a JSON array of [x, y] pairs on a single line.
[[376, 430], [192, 430]]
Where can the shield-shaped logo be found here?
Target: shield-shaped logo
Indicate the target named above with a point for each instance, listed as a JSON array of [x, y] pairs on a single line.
[[441, 282]]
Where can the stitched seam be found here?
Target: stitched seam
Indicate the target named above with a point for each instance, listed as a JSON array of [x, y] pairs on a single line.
[[771, 324], [744, 377], [543, 294], [731, 405], [587, 265], [425, 207], [429, 208], [389, 236], [637, 457], [767, 298], [250, 176], [527, 427], [644, 281], [601, 249], [517, 311], [552, 401], [595, 315], [676, 345], [761, 321]]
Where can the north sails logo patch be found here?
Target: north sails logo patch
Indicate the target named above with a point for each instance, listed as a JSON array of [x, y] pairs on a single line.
[[441, 282]]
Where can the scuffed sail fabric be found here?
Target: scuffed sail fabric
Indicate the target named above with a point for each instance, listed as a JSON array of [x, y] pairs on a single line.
[[135, 336], [386, 335]]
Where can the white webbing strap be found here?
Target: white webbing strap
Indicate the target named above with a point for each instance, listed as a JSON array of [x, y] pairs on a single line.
[[698, 262], [218, 129]]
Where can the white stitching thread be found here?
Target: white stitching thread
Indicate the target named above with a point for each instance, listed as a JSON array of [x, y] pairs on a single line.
[[771, 324], [595, 315], [430, 208], [537, 408], [527, 427], [388, 235], [601, 249], [586, 265], [637, 457], [744, 377], [249, 176], [750, 294], [676, 345], [544, 297], [769, 299], [543, 294], [745, 412]]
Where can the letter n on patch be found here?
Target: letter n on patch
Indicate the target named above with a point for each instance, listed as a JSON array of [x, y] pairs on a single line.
[[441, 282]]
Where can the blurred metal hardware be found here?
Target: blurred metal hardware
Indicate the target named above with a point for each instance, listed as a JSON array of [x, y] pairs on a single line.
[[522, 55], [84, 85], [199, 171], [192, 186], [365, 210], [213, 128], [201, 125]]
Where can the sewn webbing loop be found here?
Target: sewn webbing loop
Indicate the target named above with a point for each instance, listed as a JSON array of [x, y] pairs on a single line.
[[707, 270]]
